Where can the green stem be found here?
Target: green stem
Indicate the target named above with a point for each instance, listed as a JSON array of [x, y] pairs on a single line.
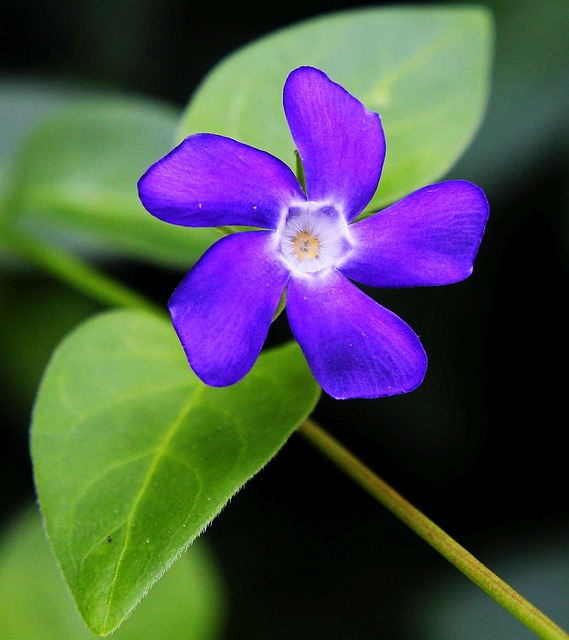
[[74, 272], [495, 587]]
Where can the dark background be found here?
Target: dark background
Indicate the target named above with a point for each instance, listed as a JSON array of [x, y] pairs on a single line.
[[480, 447]]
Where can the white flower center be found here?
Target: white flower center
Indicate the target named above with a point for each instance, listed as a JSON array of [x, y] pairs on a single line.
[[314, 236]]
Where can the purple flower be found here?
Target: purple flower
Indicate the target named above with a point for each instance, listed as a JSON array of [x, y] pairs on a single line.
[[309, 245]]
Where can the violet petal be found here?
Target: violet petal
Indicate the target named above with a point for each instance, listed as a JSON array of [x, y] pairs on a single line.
[[430, 237], [341, 143], [223, 308], [355, 347], [210, 180]]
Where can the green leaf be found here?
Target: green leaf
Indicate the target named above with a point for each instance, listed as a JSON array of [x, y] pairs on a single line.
[[527, 121], [35, 604], [76, 177], [424, 69], [22, 101], [128, 443]]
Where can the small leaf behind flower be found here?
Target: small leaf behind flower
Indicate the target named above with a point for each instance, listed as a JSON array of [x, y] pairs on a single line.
[[425, 70], [128, 443]]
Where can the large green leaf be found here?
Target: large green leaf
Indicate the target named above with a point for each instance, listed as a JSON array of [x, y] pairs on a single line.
[[35, 604], [424, 69], [128, 443], [76, 177]]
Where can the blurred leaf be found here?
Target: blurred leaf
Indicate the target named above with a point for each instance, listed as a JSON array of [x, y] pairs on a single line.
[[22, 102], [36, 605], [127, 442], [425, 70], [77, 175], [528, 110]]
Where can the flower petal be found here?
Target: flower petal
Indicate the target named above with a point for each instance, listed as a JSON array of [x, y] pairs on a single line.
[[340, 142], [223, 308], [355, 347], [430, 237], [210, 180]]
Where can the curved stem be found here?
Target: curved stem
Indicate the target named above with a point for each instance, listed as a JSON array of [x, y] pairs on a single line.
[[74, 272], [494, 586]]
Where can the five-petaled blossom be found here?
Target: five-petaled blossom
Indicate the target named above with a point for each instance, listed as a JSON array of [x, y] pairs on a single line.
[[309, 244]]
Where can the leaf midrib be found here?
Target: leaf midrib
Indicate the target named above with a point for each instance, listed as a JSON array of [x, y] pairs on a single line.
[[160, 452]]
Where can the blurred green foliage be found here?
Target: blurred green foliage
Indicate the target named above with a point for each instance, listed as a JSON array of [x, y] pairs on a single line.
[[35, 602]]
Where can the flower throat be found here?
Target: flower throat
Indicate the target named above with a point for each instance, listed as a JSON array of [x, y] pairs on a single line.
[[313, 236]]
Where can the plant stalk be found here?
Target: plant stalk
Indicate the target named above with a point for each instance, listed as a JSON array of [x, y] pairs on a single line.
[[457, 555], [74, 272]]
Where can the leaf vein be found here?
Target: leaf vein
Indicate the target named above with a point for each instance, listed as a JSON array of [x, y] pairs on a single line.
[[160, 451]]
